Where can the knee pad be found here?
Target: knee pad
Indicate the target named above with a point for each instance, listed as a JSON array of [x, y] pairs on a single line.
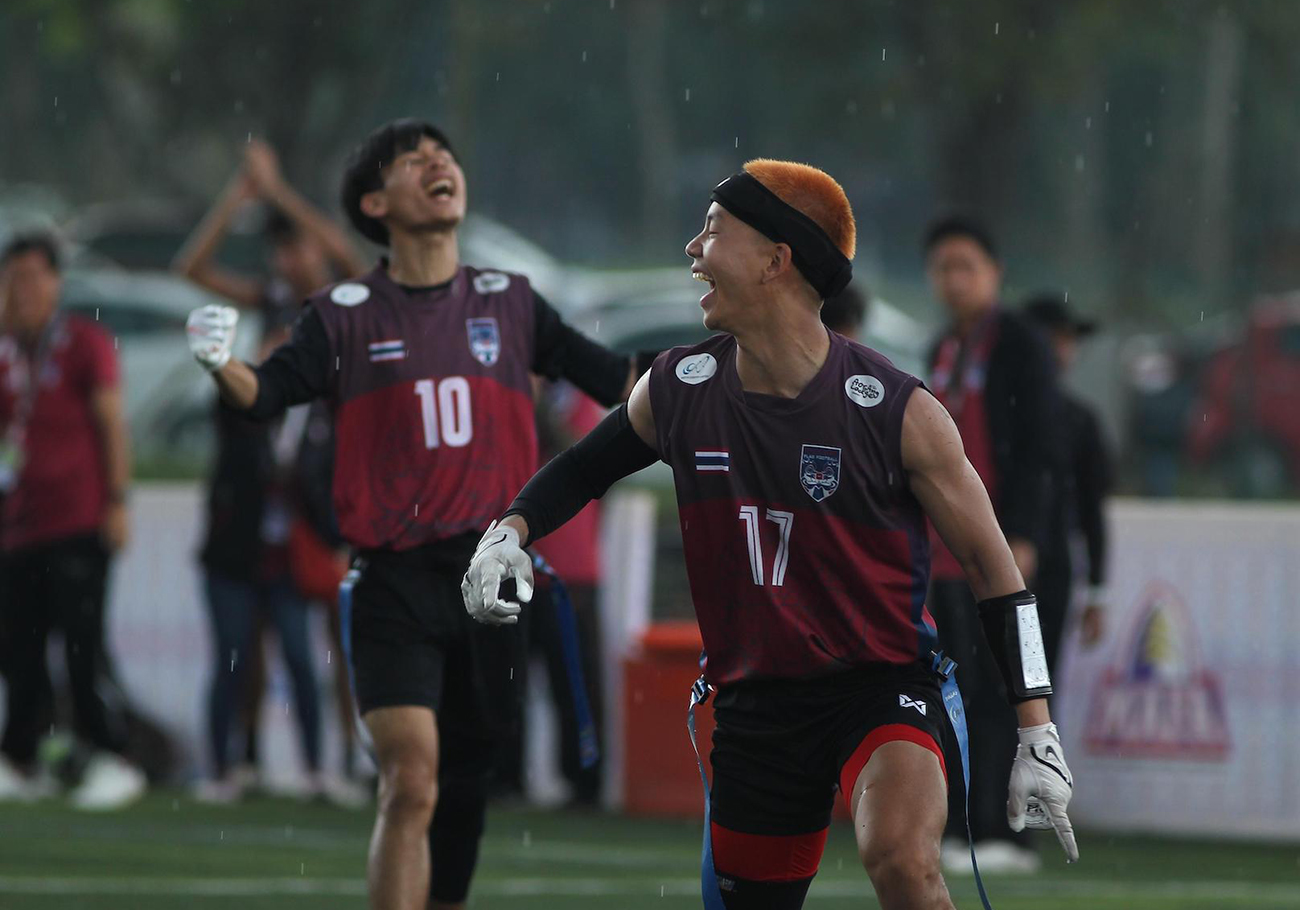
[[458, 823]]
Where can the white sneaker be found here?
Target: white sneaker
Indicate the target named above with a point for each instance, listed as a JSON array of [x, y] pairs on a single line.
[[1002, 857], [954, 856], [109, 782], [221, 791], [18, 787], [339, 791]]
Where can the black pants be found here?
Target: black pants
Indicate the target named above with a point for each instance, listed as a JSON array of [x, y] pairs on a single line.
[[990, 720], [58, 587]]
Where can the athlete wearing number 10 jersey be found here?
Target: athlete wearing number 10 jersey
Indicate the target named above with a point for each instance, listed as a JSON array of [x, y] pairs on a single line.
[[806, 467], [426, 365]]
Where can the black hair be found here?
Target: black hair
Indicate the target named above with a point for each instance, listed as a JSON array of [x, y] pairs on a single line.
[[22, 244], [279, 228], [846, 310], [959, 226], [364, 172]]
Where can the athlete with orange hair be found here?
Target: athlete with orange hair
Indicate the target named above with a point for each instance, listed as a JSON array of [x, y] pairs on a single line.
[[806, 466]]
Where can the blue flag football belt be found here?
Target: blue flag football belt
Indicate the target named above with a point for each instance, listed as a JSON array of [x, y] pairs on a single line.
[[588, 744], [944, 667]]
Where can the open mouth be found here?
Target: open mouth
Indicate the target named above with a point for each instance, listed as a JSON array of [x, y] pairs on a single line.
[[441, 189], [701, 276]]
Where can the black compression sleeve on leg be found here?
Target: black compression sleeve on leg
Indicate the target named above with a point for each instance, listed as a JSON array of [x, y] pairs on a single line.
[[454, 836], [582, 473]]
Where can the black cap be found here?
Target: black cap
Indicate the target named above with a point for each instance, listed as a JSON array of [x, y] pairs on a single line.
[[1051, 311]]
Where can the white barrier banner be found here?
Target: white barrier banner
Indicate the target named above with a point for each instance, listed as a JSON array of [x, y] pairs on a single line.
[[1186, 717]]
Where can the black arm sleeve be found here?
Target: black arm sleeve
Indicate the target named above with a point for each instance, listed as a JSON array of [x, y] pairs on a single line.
[[298, 370], [1092, 485], [581, 473], [559, 350]]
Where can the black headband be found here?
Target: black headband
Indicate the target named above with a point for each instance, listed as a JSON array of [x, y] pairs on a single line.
[[815, 256]]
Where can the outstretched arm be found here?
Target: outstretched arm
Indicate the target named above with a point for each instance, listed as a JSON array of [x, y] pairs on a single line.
[[622, 444]]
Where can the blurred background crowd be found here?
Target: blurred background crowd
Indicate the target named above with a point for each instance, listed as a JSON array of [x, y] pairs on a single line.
[[1127, 188]]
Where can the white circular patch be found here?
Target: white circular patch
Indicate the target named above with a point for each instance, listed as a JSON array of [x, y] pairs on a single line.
[[350, 294], [697, 368], [491, 282], [864, 391]]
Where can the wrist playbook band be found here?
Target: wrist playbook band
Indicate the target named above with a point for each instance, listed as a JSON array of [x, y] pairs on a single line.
[[1016, 641]]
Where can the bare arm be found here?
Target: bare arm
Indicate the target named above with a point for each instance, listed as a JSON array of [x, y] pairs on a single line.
[[110, 419], [264, 172], [955, 500], [197, 258]]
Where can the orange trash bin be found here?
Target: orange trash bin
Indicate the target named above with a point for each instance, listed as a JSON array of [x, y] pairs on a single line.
[[660, 775]]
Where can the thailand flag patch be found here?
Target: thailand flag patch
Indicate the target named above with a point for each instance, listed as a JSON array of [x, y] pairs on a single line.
[[393, 349], [713, 461]]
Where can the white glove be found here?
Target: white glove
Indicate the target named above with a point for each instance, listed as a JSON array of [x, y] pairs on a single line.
[[497, 558], [211, 331], [1041, 786]]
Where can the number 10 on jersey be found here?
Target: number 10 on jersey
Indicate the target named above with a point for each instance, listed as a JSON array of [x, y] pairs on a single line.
[[784, 521], [444, 408]]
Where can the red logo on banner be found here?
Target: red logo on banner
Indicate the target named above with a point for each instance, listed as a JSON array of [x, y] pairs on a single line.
[[1157, 700]]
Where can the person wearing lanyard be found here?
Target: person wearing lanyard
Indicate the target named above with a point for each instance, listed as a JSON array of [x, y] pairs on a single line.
[[64, 469], [994, 374]]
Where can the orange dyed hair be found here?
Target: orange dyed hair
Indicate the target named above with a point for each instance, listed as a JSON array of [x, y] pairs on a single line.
[[813, 192]]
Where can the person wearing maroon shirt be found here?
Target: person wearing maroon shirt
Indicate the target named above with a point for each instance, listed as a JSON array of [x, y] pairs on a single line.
[[64, 469], [806, 466], [425, 365], [992, 370]]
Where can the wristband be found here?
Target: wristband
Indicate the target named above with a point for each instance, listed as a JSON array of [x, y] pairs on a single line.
[[1016, 642]]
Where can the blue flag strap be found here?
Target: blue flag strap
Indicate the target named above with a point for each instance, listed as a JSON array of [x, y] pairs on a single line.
[[708, 877], [588, 743], [945, 668]]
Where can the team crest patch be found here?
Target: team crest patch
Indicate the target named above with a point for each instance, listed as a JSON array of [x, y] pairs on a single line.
[[491, 282], [484, 339], [819, 471]]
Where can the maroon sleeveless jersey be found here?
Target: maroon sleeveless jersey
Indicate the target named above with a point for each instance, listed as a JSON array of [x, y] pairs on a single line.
[[806, 551], [432, 404]]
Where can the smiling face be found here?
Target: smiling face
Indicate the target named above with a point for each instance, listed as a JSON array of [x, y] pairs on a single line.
[[735, 261], [423, 191]]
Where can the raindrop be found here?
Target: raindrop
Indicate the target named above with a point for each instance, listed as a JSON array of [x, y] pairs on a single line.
[[1108, 107], [512, 672], [528, 838], [288, 832], [176, 77], [1087, 123], [97, 314], [688, 94], [1078, 163], [115, 344], [737, 142], [1202, 315], [1150, 138], [328, 654], [611, 4], [996, 27], [882, 55], [661, 890], [302, 869], [56, 100], [417, 508], [584, 56], [221, 836], [498, 77]]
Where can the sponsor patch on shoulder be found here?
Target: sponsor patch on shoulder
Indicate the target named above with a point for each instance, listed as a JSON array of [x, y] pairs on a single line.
[[697, 368], [864, 391], [491, 282], [350, 293]]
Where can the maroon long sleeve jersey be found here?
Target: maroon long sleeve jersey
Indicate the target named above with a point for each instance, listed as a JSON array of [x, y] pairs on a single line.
[[431, 397]]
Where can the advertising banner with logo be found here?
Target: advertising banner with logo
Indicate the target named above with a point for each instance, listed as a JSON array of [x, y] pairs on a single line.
[[1186, 717]]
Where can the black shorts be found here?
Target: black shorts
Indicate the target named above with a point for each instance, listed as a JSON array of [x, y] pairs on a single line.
[[781, 746], [413, 644]]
